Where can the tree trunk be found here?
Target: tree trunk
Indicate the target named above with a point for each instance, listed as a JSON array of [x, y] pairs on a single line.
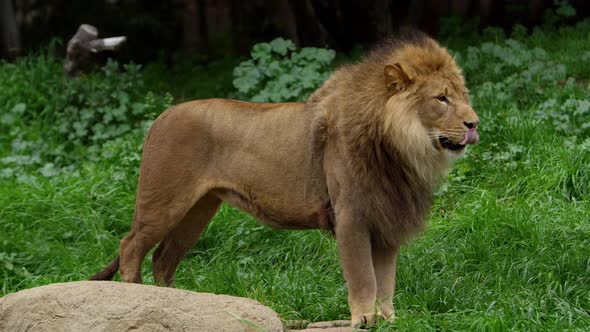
[[330, 15], [10, 42], [353, 23], [309, 29], [286, 20], [195, 30], [382, 18], [414, 16]]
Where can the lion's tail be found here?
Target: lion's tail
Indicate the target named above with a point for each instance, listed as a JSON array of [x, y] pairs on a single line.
[[108, 272]]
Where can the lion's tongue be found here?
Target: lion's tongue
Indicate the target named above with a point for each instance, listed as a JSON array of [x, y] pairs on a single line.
[[471, 137]]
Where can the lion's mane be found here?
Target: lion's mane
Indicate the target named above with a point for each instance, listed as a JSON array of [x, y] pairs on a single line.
[[382, 137]]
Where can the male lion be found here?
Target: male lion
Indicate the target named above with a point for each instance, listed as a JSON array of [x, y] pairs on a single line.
[[360, 158]]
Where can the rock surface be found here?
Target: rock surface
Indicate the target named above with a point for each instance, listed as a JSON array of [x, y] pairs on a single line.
[[330, 326], [115, 306]]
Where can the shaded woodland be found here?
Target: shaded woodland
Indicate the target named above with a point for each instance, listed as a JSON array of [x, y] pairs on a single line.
[[210, 28]]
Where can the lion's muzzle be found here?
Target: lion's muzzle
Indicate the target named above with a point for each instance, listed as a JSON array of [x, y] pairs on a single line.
[[471, 137]]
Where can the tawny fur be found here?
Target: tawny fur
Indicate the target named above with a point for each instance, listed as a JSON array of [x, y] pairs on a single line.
[[360, 158]]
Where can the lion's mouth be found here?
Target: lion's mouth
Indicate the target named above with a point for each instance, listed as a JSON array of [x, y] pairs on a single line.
[[471, 137], [446, 143]]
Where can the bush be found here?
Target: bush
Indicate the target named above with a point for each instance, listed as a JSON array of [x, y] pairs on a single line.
[[51, 121], [571, 117], [278, 72]]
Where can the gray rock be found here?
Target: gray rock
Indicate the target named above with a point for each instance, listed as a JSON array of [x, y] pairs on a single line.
[[115, 306], [330, 326]]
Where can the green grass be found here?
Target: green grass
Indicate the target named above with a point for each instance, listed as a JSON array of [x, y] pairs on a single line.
[[507, 247]]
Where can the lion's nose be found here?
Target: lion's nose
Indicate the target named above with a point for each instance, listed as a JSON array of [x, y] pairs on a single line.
[[472, 124]]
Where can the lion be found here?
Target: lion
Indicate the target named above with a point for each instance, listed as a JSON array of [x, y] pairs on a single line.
[[360, 158]]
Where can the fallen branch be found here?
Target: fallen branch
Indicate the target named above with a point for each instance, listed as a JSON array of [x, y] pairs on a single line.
[[83, 44]]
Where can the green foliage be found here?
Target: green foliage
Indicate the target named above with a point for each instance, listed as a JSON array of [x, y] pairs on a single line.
[[456, 32], [105, 107], [278, 72], [559, 14], [571, 117], [48, 118], [513, 65], [513, 76]]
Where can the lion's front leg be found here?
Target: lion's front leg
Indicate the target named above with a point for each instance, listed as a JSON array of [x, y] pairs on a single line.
[[354, 244], [384, 262]]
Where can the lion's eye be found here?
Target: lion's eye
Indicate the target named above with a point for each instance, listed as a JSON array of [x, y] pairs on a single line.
[[442, 99]]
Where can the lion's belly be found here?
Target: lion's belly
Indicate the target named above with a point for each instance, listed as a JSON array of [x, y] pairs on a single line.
[[278, 212]]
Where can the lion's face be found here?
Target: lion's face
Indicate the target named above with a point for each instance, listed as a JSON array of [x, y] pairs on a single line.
[[444, 110], [441, 105]]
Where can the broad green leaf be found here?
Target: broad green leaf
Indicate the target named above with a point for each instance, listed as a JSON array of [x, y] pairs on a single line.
[[282, 46]]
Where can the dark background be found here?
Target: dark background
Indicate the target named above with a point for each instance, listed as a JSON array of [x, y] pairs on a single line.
[[207, 29]]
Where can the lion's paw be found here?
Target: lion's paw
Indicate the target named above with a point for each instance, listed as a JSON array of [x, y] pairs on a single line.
[[386, 313], [364, 321]]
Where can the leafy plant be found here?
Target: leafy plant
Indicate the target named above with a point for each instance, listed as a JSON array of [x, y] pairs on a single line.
[[559, 14], [512, 63], [108, 105], [277, 72], [571, 117], [47, 119]]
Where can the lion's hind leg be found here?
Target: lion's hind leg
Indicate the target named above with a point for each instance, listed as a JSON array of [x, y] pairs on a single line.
[[137, 243], [154, 219], [180, 239]]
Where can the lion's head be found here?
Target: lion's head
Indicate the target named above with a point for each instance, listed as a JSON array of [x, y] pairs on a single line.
[[407, 96], [422, 76]]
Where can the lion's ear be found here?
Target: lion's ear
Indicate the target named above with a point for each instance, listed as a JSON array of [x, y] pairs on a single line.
[[398, 77]]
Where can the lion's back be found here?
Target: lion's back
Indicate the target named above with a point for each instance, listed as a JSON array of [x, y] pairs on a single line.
[[240, 138]]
